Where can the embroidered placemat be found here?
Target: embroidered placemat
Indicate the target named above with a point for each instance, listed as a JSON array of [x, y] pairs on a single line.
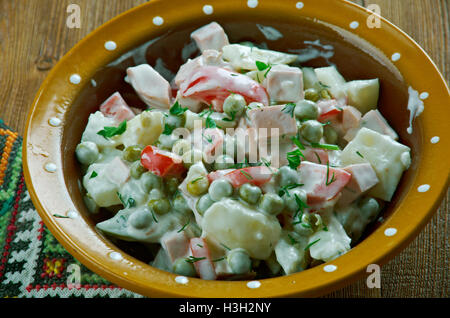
[[32, 262]]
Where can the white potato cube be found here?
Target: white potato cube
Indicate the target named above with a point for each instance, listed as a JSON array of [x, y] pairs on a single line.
[[388, 158], [285, 84], [375, 121], [151, 87], [363, 94], [144, 129], [97, 122], [331, 77], [292, 257], [110, 177], [237, 226], [245, 57], [210, 37], [328, 245]]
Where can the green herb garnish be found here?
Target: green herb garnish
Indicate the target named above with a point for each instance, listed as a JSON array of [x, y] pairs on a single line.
[[325, 146], [284, 189], [298, 143], [192, 259], [184, 227], [311, 244], [177, 110], [293, 158], [318, 158], [109, 132], [226, 247], [249, 177], [218, 259], [210, 123], [93, 175], [233, 117], [292, 240], [196, 179], [359, 154], [59, 216], [168, 130], [261, 65], [328, 182], [289, 109]]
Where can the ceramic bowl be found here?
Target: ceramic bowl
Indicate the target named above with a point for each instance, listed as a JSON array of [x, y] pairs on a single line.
[[361, 49]]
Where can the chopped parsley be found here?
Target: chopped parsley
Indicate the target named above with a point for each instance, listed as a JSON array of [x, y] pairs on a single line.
[[249, 177], [59, 216], [109, 132], [301, 207], [225, 247], [168, 130], [325, 146], [284, 189], [289, 109], [318, 158], [153, 216], [261, 65], [333, 178], [184, 227], [218, 259], [311, 244], [359, 154], [129, 203], [210, 123], [292, 240], [93, 175], [298, 143], [196, 179], [233, 117], [177, 110], [191, 259], [293, 158]]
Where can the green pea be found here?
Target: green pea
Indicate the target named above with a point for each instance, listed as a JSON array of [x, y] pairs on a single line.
[[204, 203], [234, 105], [312, 131], [151, 181], [324, 94], [198, 186], [271, 203], [250, 193], [87, 152], [369, 208], [159, 206], [171, 185], [291, 200], [223, 162], [239, 261], [330, 134], [184, 268], [136, 170], [140, 219], [180, 204], [132, 153], [286, 176], [312, 94], [306, 109], [219, 189]]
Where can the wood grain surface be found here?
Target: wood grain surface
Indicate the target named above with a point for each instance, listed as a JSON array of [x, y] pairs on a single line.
[[33, 37]]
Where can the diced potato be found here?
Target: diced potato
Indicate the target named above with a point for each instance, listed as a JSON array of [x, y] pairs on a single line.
[[101, 188], [388, 158], [97, 122], [329, 76], [193, 120], [144, 129], [330, 244], [290, 252], [237, 226], [363, 94], [245, 57]]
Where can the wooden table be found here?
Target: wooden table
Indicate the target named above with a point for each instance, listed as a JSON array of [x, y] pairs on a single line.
[[33, 36]]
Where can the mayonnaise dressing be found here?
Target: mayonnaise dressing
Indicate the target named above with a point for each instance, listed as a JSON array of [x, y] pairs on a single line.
[[415, 107]]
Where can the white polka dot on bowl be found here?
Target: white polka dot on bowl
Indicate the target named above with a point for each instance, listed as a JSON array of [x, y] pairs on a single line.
[[208, 9], [50, 167], [354, 25], [299, 5], [424, 188], [396, 56], [110, 45], [54, 121], [181, 280], [435, 139], [424, 95], [329, 268], [75, 79], [252, 3], [115, 256], [254, 284], [158, 20], [390, 231]]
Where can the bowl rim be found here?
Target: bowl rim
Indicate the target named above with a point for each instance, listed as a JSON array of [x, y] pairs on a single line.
[[162, 283]]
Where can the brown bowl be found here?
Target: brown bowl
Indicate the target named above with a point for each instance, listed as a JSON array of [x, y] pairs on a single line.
[[62, 107]]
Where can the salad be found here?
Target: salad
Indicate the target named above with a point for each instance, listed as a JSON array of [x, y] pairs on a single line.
[[244, 165]]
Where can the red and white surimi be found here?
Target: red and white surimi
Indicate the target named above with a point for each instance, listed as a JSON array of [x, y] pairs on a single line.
[[254, 175], [116, 107], [162, 163], [321, 182], [212, 85], [202, 259]]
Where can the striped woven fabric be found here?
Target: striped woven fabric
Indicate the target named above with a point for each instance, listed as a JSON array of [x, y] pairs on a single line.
[[32, 262]]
